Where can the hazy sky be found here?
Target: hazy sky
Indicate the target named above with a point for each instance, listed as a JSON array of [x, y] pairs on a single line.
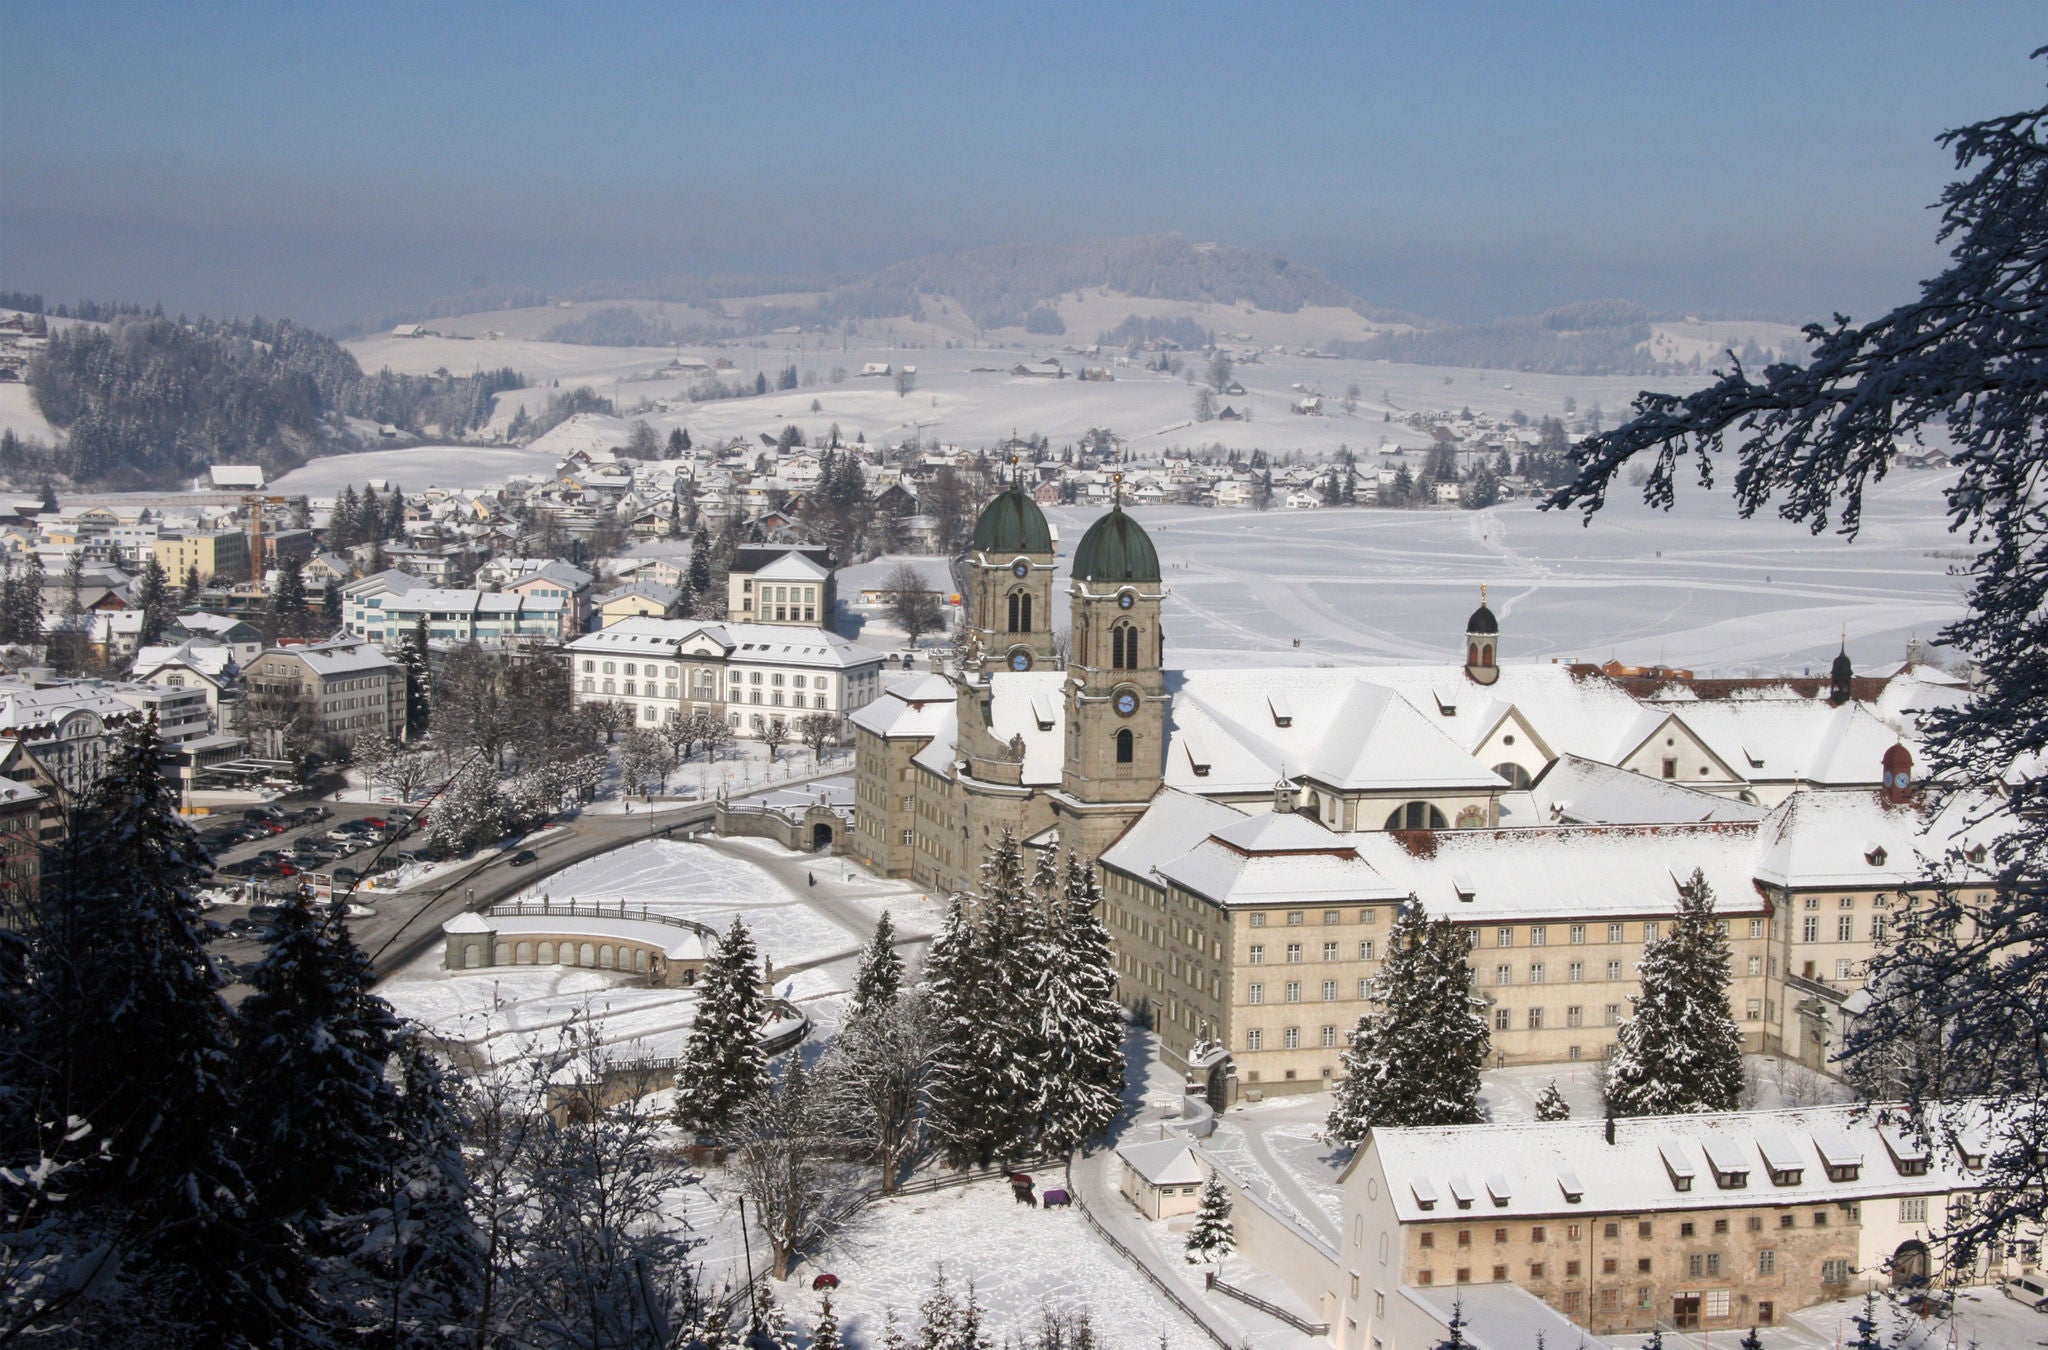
[[330, 161]]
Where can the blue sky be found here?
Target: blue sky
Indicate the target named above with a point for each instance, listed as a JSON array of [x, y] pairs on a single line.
[[1465, 160]]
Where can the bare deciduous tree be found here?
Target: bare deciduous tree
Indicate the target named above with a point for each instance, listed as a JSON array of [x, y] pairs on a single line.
[[816, 731], [912, 607]]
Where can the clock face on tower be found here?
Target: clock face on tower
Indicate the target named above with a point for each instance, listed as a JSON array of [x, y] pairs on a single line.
[[1125, 703], [1125, 600], [1020, 569], [1020, 660]]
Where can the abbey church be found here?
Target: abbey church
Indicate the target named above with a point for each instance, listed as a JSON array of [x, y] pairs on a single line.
[[1256, 829]]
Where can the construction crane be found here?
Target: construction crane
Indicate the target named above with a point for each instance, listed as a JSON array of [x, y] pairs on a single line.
[[256, 501]]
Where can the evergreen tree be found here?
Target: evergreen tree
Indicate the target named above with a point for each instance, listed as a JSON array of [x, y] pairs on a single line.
[[343, 523], [825, 1335], [414, 660], [1456, 1326], [984, 1093], [126, 1031], [189, 597], [1416, 1056], [1081, 1025], [1750, 1341], [723, 1065], [394, 514], [1551, 1105], [311, 1080], [1681, 1051], [1212, 1237], [700, 561], [880, 977], [289, 614], [153, 598]]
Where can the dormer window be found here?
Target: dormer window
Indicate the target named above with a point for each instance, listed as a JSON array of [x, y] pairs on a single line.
[[1875, 857], [1843, 1172], [1976, 853]]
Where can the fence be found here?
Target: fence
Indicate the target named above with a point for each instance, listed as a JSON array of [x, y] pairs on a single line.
[[576, 909], [1216, 1282], [1173, 1296]]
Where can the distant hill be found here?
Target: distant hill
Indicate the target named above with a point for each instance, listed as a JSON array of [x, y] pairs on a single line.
[[999, 287]]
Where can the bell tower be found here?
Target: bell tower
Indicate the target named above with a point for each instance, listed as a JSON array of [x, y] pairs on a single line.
[[1008, 569], [1482, 644], [1116, 688]]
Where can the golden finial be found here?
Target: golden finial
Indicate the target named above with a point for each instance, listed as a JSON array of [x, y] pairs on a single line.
[[1482, 595], [1117, 478]]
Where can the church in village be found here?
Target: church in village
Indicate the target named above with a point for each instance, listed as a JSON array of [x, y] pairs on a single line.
[[1256, 830]]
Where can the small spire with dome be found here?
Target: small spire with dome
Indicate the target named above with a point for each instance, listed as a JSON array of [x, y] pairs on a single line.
[[1482, 643]]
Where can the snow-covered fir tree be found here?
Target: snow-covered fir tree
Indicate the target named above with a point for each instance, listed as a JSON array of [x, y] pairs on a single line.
[[1416, 1055], [1551, 1105], [880, 975], [1213, 1236], [980, 983], [1081, 1025], [1456, 1326], [768, 1326], [825, 1332], [1681, 1050], [123, 1066], [413, 659], [723, 1064]]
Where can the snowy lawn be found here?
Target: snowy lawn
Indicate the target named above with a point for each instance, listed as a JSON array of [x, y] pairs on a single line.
[[513, 1012], [694, 882], [1018, 1260]]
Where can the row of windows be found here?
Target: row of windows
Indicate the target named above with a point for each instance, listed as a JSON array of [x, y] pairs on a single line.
[[1332, 951], [1845, 928], [1290, 1038], [1578, 934], [1575, 971], [1296, 918], [1290, 992], [738, 677], [776, 698]]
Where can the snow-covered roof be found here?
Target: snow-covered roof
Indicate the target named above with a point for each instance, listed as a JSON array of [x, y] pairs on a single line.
[[1501, 1316], [1494, 875], [769, 644], [1172, 825], [1273, 858], [1032, 704], [23, 707], [1852, 837], [1338, 727], [1579, 791], [792, 566], [344, 656], [1781, 739], [918, 707], [1544, 1168], [210, 659], [1163, 1162]]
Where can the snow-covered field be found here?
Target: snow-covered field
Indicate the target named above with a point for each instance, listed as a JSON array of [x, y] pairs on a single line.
[[422, 466], [1017, 1259], [1695, 588], [19, 415]]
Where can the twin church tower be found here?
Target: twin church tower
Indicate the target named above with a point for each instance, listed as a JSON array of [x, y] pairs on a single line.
[[1113, 754]]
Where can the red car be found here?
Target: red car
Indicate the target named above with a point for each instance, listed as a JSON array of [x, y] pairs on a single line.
[[375, 822]]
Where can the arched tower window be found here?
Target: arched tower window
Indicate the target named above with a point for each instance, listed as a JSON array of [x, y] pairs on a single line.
[[1123, 647], [1517, 776], [1471, 650], [1485, 648], [1020, 611], [1126, 747]]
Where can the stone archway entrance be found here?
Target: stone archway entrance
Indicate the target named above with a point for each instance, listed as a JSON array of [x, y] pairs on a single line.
[[821, 838], [1911, 1264]]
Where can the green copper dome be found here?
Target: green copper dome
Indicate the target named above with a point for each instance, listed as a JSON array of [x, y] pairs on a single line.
[[1012, 523], [1116, 548]]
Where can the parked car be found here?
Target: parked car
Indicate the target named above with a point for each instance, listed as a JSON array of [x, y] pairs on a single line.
[[524, 856], [2031, 1290]]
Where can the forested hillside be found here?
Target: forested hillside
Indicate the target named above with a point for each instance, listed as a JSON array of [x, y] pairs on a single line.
[[150, 401]]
